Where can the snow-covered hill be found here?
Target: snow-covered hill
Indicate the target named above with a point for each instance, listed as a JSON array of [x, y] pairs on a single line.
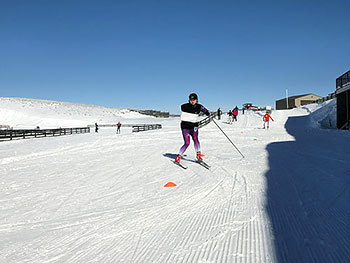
[[324, 115], [100, 197], [29, 113]]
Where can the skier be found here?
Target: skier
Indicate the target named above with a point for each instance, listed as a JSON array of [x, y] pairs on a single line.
[[118, 127], [235, 113], [266, 119], [219, 113], [189, 125], [96, 127], [230, 116]]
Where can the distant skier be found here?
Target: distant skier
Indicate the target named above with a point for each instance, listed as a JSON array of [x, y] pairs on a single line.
[[266, 119], [189, 125], [243, 110], [235, 113], [96, 127], [118, 127], [229, 116], [219, 112]]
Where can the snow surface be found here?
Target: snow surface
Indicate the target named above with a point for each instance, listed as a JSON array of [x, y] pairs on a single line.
[[30, 113], [99, 197]]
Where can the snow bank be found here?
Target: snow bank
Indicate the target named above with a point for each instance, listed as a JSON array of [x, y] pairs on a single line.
[[29, 113], [323, 115]]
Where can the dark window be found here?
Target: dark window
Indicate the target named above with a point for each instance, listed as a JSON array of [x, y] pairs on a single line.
[[305, 102], [343, 80]]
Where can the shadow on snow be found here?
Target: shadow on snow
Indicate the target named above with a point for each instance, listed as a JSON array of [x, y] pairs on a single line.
[[308, 194]]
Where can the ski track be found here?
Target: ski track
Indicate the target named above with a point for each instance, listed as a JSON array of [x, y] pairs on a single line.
[[100, 198], [213, 215]]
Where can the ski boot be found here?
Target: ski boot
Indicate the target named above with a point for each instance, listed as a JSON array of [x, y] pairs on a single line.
[[199, 156], [178, 158]]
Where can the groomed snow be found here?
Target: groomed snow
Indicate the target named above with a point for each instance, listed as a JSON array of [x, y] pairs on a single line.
[[99, 197]]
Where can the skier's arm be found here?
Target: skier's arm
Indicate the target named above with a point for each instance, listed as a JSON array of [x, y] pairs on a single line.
[[205, 111], [271, 118]]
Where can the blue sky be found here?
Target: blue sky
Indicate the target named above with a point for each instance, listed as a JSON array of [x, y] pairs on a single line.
[[151, 54]]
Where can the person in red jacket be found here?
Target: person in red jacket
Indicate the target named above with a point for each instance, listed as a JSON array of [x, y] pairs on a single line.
[[266, 119], [235, 113]]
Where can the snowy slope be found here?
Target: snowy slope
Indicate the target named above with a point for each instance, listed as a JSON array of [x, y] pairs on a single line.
[[100, 197], [29, 113], [324, 115]]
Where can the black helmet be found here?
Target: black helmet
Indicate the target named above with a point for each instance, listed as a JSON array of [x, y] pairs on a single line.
[[193, 96]]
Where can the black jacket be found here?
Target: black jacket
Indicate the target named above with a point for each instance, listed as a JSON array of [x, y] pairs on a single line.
[[189, 114]]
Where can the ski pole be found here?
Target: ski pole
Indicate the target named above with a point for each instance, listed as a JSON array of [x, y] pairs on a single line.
[[228, 138]]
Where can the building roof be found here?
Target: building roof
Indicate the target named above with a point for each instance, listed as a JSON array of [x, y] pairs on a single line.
[[298, 96]]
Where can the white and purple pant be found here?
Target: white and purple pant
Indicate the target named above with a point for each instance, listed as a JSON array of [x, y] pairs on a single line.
[[186, 133]]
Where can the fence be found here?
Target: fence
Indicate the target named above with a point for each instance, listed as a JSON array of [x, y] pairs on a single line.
[[135, 127], [110, 125], [22, 134], [146, 127], [329, 97]]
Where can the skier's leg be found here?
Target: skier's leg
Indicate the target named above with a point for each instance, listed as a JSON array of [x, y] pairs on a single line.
[[186, 136], [194, 134]]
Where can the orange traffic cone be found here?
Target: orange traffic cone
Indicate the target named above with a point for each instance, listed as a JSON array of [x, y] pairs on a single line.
[[170, 184]]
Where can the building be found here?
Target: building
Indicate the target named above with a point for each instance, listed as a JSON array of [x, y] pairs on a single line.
[[343, 99], [296, 101], [249, 106]]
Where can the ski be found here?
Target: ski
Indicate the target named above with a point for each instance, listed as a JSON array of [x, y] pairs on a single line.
[[179, 164], [204, 164]]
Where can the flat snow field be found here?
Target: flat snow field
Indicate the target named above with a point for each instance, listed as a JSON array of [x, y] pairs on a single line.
[[100, 197]]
